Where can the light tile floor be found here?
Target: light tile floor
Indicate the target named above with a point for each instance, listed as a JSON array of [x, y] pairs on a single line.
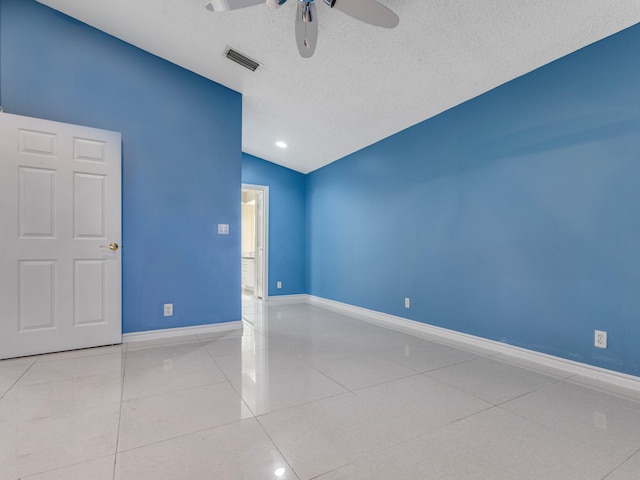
[[305, 393]]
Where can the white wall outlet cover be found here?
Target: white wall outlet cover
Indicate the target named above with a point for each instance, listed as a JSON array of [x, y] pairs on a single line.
[[168, 309], [279, 285], [600, 339], [407, 302], [223, 229]]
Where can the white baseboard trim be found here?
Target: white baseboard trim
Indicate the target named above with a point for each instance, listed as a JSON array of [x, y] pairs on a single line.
[[181, 331], [288, 299], [432, 332]]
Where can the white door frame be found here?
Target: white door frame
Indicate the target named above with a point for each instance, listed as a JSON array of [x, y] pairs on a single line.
[[265, 229]]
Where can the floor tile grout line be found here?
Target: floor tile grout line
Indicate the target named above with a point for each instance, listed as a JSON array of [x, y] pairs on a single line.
[[228, 380], [376, 352], [92, 459], [443, 367], [168, 439], [561, 432], [361, 456], [206, 337], [46, 382], [539, 387], [308, 364], [315, 367], [438, 368], [277, 448], [547, 427], [18, 379], [458, 420], [316, 477], [177, 389], [64, 466], [124, 372], [302, 404], [325, 374], [67, 379], [173, 391], [412, 438], [517, 397], [356, 390], [185, 362], [517, 414], [256, 415], [441, 382], [621, 464]]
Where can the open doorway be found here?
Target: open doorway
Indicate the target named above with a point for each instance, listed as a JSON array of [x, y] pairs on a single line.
[[254, 248]]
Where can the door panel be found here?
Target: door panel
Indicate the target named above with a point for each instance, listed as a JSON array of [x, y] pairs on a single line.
[[89, 292], [89, 209], [37, 199], [61, 205], [36, 295]]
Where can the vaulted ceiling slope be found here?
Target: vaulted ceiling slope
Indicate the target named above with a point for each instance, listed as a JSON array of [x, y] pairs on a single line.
[[363, 83]]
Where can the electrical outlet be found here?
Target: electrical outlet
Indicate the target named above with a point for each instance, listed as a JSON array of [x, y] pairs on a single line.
[[600, 339], [279, 285], [407, 302], [168, 309]]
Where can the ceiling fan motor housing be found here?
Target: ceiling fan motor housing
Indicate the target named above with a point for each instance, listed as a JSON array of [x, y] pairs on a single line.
[[273, 4]]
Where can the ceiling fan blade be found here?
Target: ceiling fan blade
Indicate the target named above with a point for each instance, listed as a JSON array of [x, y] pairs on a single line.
[[306, 28], [226, 5], [367, 11]]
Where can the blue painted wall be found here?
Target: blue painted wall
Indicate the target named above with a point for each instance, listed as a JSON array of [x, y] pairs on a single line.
[[286, 222], [514, 216], [182, 159]]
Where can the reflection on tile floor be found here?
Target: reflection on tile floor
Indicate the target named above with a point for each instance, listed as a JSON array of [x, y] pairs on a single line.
[[305, 393]]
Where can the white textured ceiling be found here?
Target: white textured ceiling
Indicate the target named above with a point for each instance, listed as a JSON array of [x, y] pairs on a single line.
[[363, 83]]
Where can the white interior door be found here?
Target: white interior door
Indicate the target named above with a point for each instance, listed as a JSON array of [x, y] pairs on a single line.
[[60, 198]]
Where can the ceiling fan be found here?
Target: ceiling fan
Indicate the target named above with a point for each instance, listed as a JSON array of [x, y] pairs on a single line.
[[368, 11]]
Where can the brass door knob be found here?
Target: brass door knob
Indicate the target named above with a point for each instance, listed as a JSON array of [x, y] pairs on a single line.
[[112, 246]]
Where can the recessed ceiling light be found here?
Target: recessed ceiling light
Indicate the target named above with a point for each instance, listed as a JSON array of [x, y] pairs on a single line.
[[281, 144]]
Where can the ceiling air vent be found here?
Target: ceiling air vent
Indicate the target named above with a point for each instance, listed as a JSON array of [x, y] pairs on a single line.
[[241, 59]]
